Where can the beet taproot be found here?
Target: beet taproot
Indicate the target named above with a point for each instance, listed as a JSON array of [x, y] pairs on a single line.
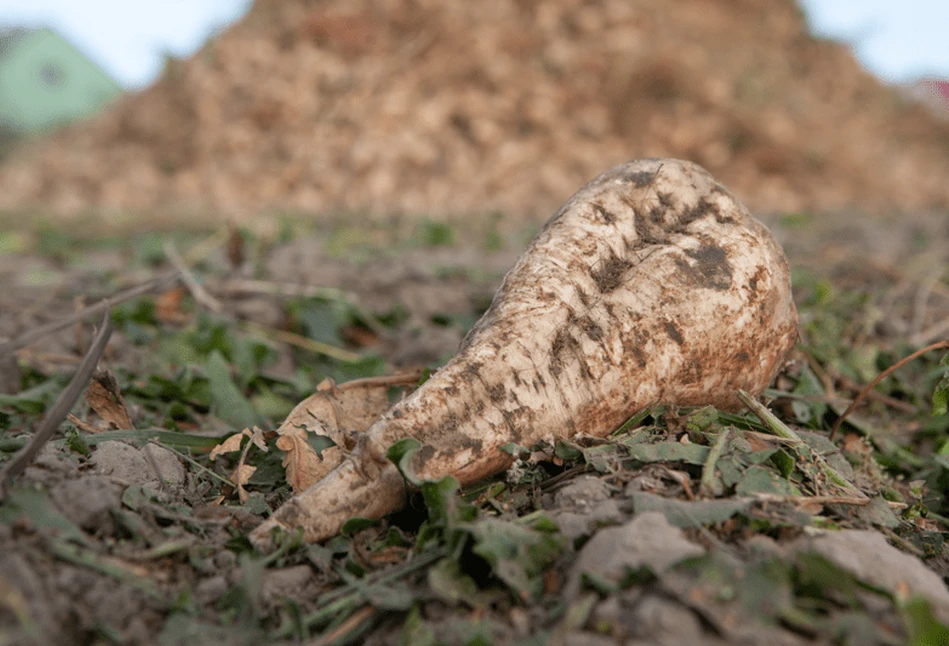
[[652, 284]]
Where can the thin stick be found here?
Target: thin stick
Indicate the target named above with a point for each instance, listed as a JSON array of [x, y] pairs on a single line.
[[708, 469], [302, 342], [200, 294], [892, 402], [766, 437], [880, 377], [400, 379], [349, 625], [782, 430], [61, 408], [827, 500], [194, 463], [83, 425]]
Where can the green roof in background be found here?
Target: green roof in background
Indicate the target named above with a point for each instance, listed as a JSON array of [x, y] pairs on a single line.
[[46, 82]]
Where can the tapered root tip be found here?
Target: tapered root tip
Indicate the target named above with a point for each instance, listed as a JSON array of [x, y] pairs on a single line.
[[321, 510]]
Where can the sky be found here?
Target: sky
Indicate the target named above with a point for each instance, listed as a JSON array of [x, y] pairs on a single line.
[[897, 41]]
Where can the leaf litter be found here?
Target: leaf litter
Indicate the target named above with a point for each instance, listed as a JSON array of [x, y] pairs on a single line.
[[761, 529]]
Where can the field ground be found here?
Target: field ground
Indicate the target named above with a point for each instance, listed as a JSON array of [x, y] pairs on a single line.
[[687, 526]]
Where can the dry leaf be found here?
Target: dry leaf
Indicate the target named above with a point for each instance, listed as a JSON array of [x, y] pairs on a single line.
[[168, 306], [302, 464], [105, 398], [337, 412], [233, 443], [241, 474]]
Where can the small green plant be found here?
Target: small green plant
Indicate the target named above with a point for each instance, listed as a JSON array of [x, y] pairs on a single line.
[[436, 234]]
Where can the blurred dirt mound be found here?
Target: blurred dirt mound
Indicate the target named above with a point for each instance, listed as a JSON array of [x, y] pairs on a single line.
[[443, 107]]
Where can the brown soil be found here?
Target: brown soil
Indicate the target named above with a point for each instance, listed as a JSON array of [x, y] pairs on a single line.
[[437, 107]]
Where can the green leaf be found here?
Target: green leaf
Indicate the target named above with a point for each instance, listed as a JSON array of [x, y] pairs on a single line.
[[445, 509], [210, 334], [401, 454], [517, 553], [567, 452], [941, 392], [230, 404], [921, 625], [415, 632], [33, 401], [356, 524], [452, 584], [784, 463], [602, 457], [760, 480], [668, 452], [818, 577], [700, 420], [879, 513], [256, 503], [435, 234], [320, 321], [319, 443], [245, 359], [515, 449], [270, 404], [690, 514], [77, 442]]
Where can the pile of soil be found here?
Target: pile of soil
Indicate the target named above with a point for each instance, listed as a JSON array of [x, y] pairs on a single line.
[[439, 108]]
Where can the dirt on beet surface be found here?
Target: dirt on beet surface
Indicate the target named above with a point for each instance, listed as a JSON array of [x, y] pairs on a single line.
[[686, 526]]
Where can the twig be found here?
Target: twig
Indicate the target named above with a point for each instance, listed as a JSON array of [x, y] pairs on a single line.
[[708, 469], [48, 357], [200, 294], [892, 402], [348, 626], [38, 333], [828, 500], [248, 286], [409, 378], [768, 418], [61, 408], [112, 567], [336, 601], [83, 425], [767, 437], [302, 342], [781, 429], [880, 377], [194, 463]]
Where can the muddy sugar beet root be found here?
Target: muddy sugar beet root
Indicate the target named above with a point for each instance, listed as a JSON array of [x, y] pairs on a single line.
[[651, 284]]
